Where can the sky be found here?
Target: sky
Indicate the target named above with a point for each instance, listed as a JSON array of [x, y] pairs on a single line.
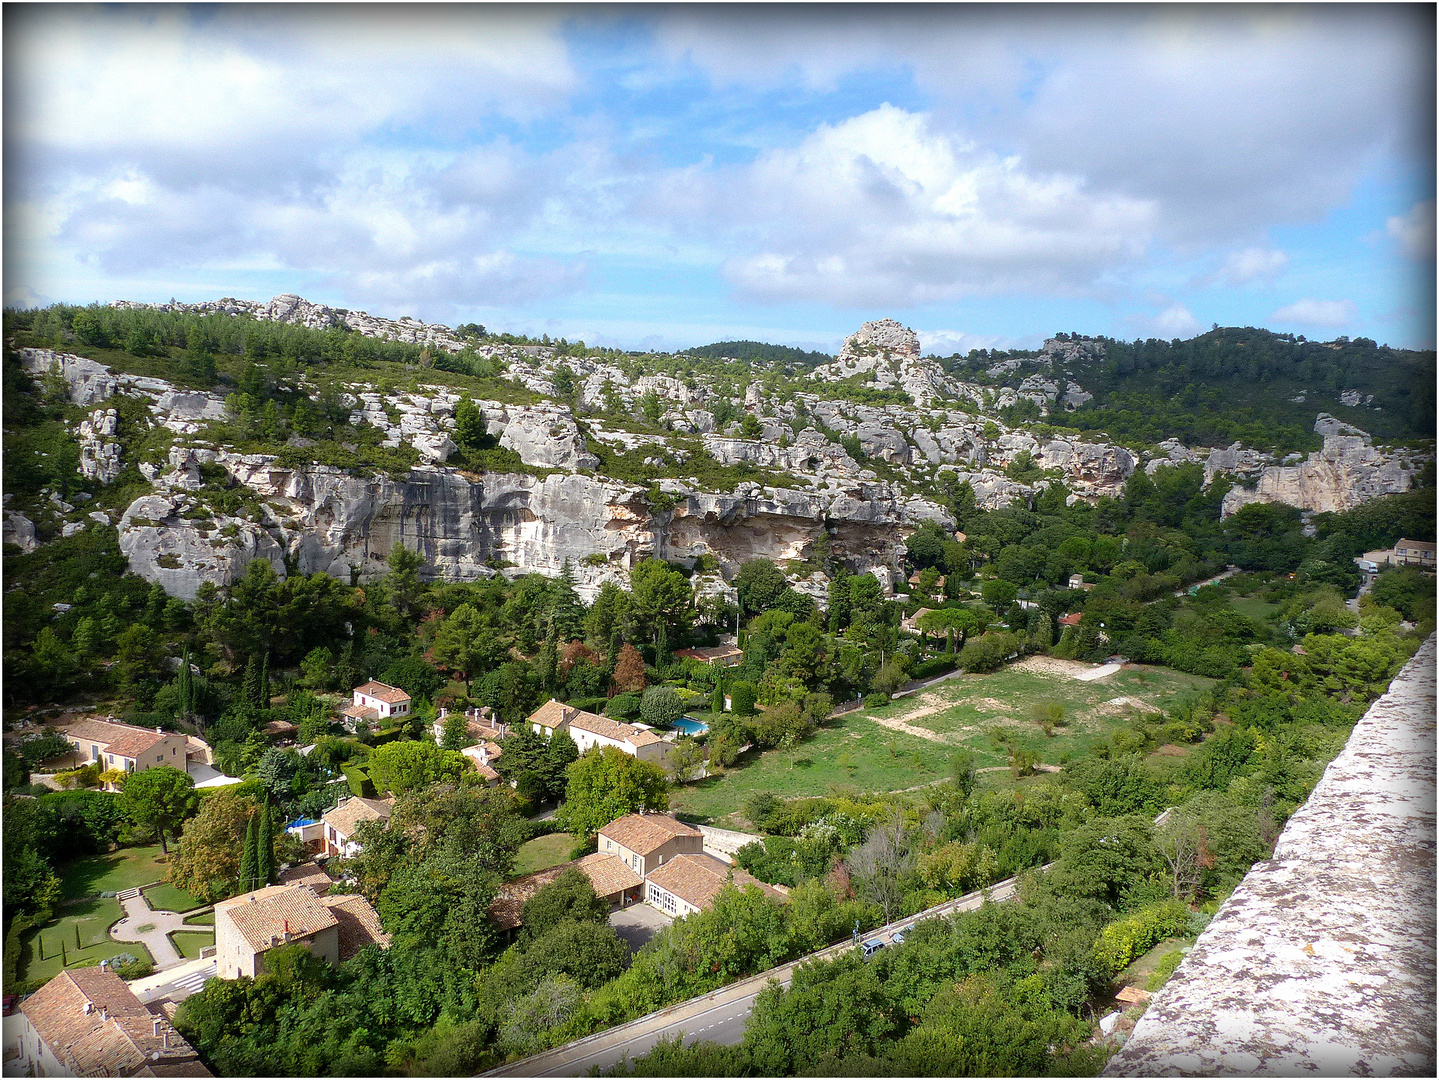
[[662, 177]]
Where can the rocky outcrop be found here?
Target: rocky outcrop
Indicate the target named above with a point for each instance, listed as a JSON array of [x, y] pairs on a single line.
[[887, 355], [1348, 471], [99, 452], [20, 531], [181, 552]]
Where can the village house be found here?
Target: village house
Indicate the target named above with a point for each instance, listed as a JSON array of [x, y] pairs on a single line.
[[480, 757], [1414, 553], [646, 841], [479, 725], [588, 730], [1072, 619], [114, 745], [332, 927], [341, 822], [689, 883], [88, 1022], [373, 703]]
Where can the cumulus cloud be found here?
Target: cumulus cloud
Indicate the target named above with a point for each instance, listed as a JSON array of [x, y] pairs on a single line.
[[1173, 321], [1414, 231], [1311, 312], [881, 208], [949, 342], [1248, 265]]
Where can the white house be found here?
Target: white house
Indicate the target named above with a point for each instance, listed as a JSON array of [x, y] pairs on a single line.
[[374, 702], [589, 729], [113, 745], [341, 822]]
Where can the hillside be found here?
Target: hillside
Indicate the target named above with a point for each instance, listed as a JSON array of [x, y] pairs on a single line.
[[315, 438]]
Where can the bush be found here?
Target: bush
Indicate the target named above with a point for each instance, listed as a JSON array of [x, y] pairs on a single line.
[[623, 706], [1121, 941], [928, 669], [875, 698], [129, 966], [1165, 968], [742, 696]]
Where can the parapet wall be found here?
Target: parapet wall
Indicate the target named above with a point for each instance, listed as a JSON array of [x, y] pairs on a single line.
[[1322, 963]]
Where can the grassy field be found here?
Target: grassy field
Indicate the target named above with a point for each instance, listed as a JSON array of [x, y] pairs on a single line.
[[92, 918], [543, 852], [908, 743], [189, 943], [205, 918], [115, 872], [853, 753], [1259, 610], [169, 898]]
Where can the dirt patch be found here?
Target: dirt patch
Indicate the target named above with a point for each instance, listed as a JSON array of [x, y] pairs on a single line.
[[1116, 706], [1171, 750], [991, 703], [1053, 665], [895, 723]]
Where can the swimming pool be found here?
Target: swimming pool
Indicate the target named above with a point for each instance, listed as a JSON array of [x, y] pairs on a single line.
[[688, 725]]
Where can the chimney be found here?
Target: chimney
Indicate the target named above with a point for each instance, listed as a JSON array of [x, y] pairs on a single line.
[[89, 1007], [159, 730], [156, 1022]]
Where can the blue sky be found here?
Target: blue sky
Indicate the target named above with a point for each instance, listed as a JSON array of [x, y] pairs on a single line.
[[668, 176]]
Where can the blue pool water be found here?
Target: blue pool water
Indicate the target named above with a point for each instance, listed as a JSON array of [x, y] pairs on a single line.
[[690, 726]]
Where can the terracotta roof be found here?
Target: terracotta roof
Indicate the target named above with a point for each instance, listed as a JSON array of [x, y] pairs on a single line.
[[472, 754], [310, 875], [281, 727], [723, 652], [644, 833], [1414, 545], [392, 695], [116, 1038], [121, 739], [346, 817], [493, 749], [606, 873], [556, 715], [1072, 619], [266, 915], [697, 879], [359, 924], [360, 712]]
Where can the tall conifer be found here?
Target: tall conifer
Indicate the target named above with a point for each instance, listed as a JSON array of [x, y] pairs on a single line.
[[249, 859]]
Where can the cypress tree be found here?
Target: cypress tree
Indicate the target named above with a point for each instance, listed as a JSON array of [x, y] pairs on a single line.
[[251, 687], [249, 859], [265, 848], [717, 701], [613, 655], [264, 701], [662, 650], [184, 690]]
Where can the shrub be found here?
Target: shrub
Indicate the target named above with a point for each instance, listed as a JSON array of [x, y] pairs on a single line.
[[1121, 941], [742, 696], [623, 705], [1165, 968]]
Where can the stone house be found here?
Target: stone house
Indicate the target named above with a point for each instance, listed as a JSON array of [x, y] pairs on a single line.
[[331, 927], [613, 881], [720, 656], [1414, 553], [88, 1022], [374, 702], [689, 883], [646, 841], [113, 745], [341, 822], [589, 730]]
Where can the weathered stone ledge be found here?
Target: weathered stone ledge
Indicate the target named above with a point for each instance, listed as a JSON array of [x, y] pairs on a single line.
[[1322, 963]]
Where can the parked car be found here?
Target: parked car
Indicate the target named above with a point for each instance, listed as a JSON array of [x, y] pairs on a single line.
[[872, 946]]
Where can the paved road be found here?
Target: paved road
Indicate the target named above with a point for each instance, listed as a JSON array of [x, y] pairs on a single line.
[[1200, 584], [719, 1017]]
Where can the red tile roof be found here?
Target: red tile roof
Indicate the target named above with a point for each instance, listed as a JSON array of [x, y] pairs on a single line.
[[391, 695], [346, 817], [264, 917], [122, 740], [645, 833], [606, 873], [359, 923], [556, 715], [698, 879], [311, 876], [117, 1037]]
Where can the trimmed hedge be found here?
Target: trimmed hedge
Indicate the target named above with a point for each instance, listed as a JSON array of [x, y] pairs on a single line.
[[1121, 941], [928, 669]]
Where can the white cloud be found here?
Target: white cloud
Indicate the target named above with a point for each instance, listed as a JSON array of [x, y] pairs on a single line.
[[949, 342], [1311, 312], [1248, 265], [1175, 321], [1414, 231], [882, 209]]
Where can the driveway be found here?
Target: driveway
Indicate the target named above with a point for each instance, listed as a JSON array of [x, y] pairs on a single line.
[[638, 923]]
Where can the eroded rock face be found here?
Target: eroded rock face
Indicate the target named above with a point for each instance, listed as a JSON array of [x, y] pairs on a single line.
[[183, 553], [99, 452], [888, 354], [20, 531]]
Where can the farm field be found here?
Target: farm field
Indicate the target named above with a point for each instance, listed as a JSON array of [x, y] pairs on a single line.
[[907, 743]]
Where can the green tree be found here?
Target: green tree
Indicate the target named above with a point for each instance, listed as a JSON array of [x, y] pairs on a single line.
[[207, 860], [759, 583], [159, 799], [661, 706], [265, 847], [470, 430], [570, 897], [605, 784], [250, 859], [399, 767]]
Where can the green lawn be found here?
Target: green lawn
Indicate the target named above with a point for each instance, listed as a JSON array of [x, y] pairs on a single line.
[[205, 918], [93, 918], [852, 753], [115, 872], [542, 852], [1259, 610], [189, 943], [169, 898]]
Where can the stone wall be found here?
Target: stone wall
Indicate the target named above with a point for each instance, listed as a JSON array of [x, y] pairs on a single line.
[[1323, 961]]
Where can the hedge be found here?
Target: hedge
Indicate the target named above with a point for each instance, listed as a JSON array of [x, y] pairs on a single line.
[[928, 669], [1121, 941], [356, 775]]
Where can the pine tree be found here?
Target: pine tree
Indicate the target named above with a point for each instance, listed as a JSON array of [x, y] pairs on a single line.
[[249, 859], [184, 686], [264, 701], [265, 848]]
